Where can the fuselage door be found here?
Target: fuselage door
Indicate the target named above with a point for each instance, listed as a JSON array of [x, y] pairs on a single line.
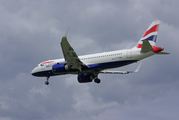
[[43, 67], [129, 53]]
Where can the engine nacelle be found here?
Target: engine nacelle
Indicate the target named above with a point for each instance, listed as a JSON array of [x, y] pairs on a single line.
[[60, 67], [88, 77]]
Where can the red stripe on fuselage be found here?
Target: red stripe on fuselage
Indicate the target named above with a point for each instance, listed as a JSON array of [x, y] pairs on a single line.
[[153, 29], [47, 62]]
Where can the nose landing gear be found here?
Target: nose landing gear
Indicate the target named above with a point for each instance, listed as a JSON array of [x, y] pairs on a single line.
[[46, 82]]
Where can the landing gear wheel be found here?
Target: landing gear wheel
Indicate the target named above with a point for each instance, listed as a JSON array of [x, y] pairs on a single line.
[[97, 80], [46, 82], [81, 74]]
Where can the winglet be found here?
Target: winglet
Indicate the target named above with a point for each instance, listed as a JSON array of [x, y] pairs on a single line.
[[66, 32], [138, 67]]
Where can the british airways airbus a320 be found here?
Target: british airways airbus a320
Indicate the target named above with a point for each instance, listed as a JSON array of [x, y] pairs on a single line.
[[88, 67]]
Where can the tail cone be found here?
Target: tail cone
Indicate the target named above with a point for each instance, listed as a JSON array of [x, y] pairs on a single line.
[[157, 49]]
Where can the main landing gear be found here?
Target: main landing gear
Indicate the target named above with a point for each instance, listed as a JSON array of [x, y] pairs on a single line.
[[46, 82], [97, 80]]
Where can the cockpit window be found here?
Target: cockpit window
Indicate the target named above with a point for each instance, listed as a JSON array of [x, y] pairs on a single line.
[[38, 65]]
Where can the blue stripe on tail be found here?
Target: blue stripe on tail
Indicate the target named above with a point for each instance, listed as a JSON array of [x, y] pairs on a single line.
[[151, 38]]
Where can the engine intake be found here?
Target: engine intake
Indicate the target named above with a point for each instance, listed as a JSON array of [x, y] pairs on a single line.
[[88, 77], [60, 67]]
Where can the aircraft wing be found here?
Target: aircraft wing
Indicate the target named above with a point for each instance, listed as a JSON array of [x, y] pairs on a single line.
[[120, 72], [69, 54]]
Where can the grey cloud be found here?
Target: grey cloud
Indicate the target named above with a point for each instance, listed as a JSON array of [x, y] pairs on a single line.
[[30, 32]]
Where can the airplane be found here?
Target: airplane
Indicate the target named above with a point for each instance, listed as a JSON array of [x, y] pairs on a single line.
[[87, 67]]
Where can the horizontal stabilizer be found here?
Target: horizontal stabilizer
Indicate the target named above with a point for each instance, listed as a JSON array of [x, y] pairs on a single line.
[[162, 53], [146, 47], [121, 72]]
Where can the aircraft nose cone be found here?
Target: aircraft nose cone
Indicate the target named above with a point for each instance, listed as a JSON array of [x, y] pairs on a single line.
[[34, 72]]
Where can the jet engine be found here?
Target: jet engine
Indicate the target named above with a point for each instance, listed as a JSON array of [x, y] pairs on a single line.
[[60, 67], [88, 77]]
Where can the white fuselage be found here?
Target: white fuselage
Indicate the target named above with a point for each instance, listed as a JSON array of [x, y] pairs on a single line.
[[89, 66], [106, 60]]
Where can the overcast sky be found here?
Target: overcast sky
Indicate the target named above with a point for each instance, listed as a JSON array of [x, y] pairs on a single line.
[[30, 32]]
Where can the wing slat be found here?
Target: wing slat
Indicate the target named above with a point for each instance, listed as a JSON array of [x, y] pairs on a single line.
[[71, 58]]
